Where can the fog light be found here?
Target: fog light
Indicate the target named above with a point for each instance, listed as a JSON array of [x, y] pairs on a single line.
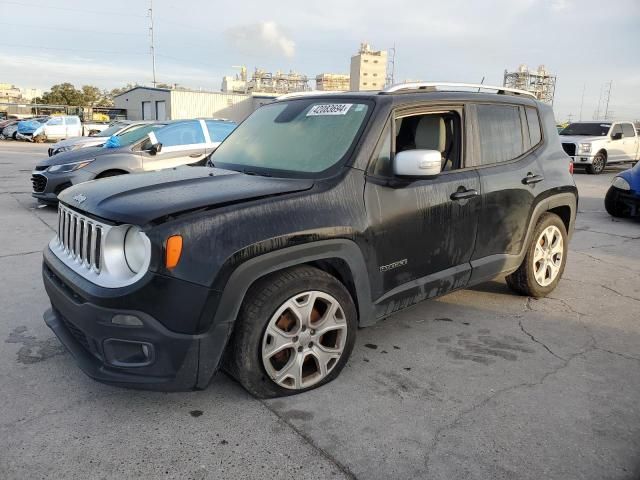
[[128, 353], [583, 159], [127, 320]]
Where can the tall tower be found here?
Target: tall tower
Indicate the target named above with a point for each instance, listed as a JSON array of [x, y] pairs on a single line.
[[368, 69]]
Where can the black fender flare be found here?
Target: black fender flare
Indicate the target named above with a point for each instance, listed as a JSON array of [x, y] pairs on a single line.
[[248, 272]]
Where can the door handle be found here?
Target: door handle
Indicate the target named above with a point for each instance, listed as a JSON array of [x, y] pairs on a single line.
[[196, 155], [531, 179], [463, 194]]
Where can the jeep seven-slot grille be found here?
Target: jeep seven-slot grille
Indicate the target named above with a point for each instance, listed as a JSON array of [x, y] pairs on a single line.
[[570, 148], [80, 237], [39, 182]]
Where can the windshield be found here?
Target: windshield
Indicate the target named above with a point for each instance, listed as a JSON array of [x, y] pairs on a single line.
[[132, 136], [295, 138], [112, 130], [589, 129]]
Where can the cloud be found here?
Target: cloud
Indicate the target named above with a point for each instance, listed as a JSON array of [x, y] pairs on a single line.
[[261, 39]]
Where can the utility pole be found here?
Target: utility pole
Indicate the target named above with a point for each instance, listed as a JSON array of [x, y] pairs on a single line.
[[584, 87], [153, 50], [606, 108], [597, 115], [391, 66], [569, 117]]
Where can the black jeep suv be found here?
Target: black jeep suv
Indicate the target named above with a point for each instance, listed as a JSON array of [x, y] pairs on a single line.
[[318, 215]]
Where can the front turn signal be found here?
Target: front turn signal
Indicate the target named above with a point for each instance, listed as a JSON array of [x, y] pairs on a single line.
[[173, 251]]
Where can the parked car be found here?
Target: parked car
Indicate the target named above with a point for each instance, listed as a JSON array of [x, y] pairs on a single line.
[[93, 128], [594, 145], [154, 146], [322, 214], [56, 127], [10, 130], [623, 196], [97, 140], [27, 127]]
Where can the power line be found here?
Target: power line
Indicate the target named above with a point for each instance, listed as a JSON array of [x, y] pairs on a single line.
[[93, 12], [73, 30], [38, 47]]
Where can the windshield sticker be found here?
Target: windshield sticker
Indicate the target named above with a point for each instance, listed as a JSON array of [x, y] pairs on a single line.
[[330, 109], [605, 125]]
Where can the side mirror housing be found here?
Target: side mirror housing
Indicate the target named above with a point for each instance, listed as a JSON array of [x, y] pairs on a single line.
[[418, 163], [616, 136], [156, 146]]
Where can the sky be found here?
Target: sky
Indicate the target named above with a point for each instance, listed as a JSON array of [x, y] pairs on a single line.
[[585, 43]]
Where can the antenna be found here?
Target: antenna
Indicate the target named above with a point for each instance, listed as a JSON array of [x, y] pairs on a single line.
[[153, 50], [584, 87], [606, 108], [391, 66]]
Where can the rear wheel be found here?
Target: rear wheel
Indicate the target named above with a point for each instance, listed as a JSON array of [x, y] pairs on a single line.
[[295, 331], [544, 263], [598, 164]]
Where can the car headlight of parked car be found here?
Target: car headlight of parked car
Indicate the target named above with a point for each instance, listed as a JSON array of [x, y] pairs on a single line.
[[584, 148], [69, 167], [67, 148], [127, 251], [621, 183]]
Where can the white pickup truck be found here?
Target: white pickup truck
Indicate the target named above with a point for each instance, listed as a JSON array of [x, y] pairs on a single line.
[[596, 144]]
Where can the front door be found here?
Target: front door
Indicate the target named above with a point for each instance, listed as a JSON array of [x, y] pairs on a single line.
[[183, 143], [55, 128], [506, 137], [423, 230], [615, 145]]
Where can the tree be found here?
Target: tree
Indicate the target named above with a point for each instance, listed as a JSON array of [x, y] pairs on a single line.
[[63, 94], [91, 95]]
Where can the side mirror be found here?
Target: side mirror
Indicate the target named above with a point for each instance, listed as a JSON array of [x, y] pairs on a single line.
[[616, 136], [418, 163], [156, 146]]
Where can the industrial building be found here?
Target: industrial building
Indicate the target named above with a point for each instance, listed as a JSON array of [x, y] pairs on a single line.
[[368, 69], [332, 82], [539, 82], [146, 103], [265, 82]]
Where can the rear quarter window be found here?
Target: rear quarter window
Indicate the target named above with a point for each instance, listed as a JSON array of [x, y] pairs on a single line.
[[535, 134], [500, 133]]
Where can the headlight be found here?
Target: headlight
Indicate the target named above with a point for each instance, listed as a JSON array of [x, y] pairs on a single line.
[[69, 167], [68, 148], [127, 252], [584, 148], [621, 183]]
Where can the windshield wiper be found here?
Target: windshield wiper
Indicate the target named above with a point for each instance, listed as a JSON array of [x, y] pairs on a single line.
[[253, 172]]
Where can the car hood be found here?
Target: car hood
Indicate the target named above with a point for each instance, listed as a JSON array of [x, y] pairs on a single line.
[[633, 177], [81, 141], [78, 155], [141, 198], [579, 138]]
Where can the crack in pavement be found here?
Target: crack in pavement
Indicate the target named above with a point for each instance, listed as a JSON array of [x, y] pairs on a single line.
[[620, 294], [32, 211], [343, 468], [20, 254], [438, 433], [606, 233], [539, 342]]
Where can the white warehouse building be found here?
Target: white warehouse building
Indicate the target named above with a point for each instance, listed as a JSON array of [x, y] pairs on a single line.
[[147, 103]]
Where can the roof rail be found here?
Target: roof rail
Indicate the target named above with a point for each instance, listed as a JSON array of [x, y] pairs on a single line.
[[310, 93], [449, 86]]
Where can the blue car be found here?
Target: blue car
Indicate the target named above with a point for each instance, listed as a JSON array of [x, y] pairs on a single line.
[[623, 197]]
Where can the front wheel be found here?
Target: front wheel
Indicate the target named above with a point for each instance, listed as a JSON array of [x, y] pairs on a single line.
[[598, 164], [295, 332], [546, 257], [612, 205]]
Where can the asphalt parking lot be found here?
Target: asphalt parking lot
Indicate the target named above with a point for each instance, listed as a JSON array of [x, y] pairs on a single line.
[[478, 384]]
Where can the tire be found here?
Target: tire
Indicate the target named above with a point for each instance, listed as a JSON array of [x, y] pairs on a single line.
[[526, 279], [597, 166], [266, 310], [110, 173], [15, 135], [612, 206]]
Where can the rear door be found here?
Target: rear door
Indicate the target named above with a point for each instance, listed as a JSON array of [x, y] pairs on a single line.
[[73, 127], [503, 148], [423, 230], [630, 142], [183, 143]]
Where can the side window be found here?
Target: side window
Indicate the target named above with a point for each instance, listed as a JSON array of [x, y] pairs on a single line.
[[500, 133], [534, 125], [183, 133], [218, 131], [628, 130], [55, 121], [431, 131], [617, 129]]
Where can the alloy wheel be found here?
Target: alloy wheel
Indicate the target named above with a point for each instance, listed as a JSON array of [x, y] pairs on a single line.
[[547, 257], [304, 340]]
